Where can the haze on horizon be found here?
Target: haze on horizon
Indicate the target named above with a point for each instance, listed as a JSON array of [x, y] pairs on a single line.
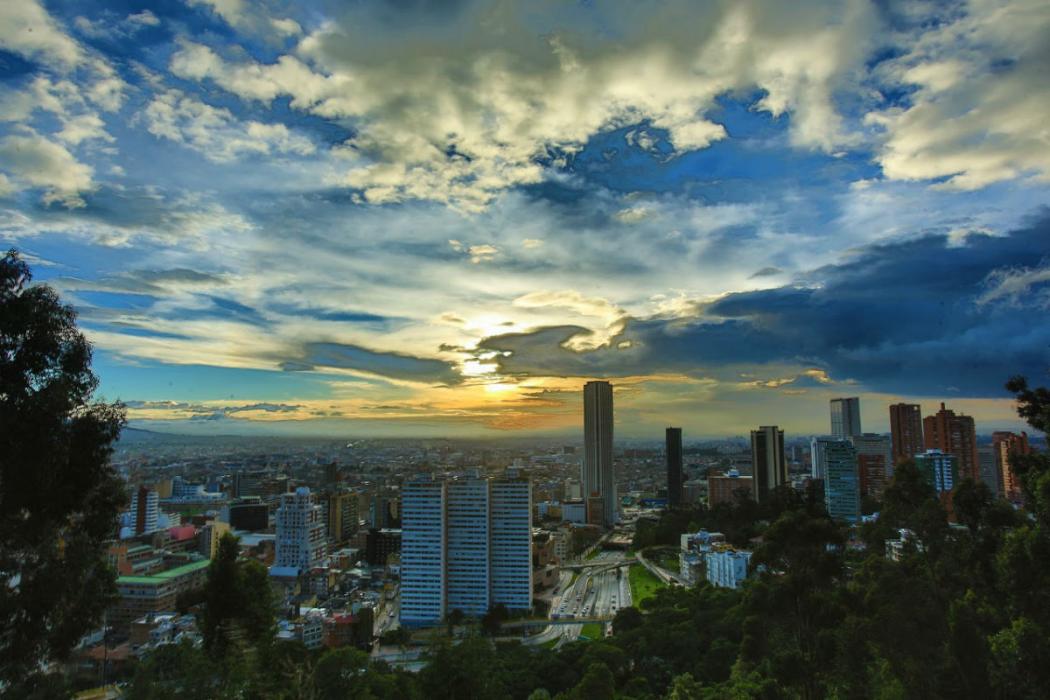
[[440, 219]]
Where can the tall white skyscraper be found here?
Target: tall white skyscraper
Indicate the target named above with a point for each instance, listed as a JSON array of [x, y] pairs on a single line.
[[300, 532], [422, 552], [845, 418], [467, 557], [598, 448], [511, 537], [465, 545]]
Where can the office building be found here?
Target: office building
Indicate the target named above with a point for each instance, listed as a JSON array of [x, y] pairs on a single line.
[[249, 484], [817, 458], [341, 516], [145, 510], [841, 481], [723, 488], [727, 568], [466, 545], [988, 465], [154, 593], [845, 417], [380, 544], [768, 467], [874, 462], [210, 535], [250, 514], [300, 542], [673, 450], [956, 435], [941, 470], [1006, 446], [906, 431], [598, 479]]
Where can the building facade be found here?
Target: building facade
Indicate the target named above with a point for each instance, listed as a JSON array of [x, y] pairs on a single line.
[[466, 545], [941, 470], [874, 463], [845, 417], [673, 453], [300, 530], [956, 435], [768, 466], [841, 481], [723, 488], [727, 568], [906, 431], [145, 510], [1006, 446], [598, 476]]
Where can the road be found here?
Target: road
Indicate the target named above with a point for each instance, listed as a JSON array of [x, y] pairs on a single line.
[[597, 592]]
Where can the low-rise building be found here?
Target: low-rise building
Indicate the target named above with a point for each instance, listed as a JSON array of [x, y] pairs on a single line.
[[141, 595], [727, 568]]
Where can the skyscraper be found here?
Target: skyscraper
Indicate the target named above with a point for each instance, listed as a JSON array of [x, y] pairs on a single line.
[[874, 462], [769, 469], [939, 469], [845, 418], [598, 448], [841, 480], [145, 509], [906, 431], [467, 541], [300, 531], [956, 435], [674, 466], [465, 545], [1005, 445], [422, 552], [817, 456]]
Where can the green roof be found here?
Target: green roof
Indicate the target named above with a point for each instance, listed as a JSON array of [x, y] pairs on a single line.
[[166, 575]]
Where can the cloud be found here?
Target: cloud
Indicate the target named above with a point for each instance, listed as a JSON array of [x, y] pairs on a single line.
[[457, 105], [386, 364], [977, 103], [28, 30], [215, 132], [909, 317], [37, 162]]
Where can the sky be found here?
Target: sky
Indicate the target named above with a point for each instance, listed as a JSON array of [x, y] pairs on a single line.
[[443, 218]]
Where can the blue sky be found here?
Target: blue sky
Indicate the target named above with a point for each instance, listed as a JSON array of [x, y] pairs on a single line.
[[443, 218]]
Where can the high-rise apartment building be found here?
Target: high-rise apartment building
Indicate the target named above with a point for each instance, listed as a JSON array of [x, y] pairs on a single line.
[[941, 470], [841, 481], [956, 435], [598, 478], [467, 541], [906, 431], [341, 515], [874, 462], [817, 457], [723, 488], [673, 450], [1005, 445], [300, 532], [145, 510], [768, 467], [988, 465], [465, 545], [510, 528], [423, 552], [845, 417]]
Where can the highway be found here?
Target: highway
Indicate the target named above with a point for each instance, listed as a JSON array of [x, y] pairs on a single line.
[[598, 592]]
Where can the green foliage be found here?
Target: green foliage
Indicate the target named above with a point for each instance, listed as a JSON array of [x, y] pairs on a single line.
[[643, 584], [59, 495], [238, 602]]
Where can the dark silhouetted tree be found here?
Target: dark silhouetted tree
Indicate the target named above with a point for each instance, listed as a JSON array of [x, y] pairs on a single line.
[[59, 495]]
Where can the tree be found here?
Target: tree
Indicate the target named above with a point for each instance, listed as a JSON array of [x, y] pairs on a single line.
[[59, 494], [493, 620], [238, 601]]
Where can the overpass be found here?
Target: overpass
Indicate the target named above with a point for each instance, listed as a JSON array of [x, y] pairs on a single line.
[[518, 624]]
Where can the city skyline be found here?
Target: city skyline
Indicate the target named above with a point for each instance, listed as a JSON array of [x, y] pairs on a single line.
[[307, 219]]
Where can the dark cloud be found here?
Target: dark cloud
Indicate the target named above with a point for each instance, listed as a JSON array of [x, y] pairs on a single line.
[[903, 317], [766, 272], [386, 364]]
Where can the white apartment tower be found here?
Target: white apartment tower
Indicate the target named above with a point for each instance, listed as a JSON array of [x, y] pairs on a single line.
[[465, 545], [300, 532], [598, 448]]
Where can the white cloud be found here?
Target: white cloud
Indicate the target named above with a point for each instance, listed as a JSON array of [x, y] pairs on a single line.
[[28, 30], [978, 112], [38, 162], [477, 106], [216, 132]]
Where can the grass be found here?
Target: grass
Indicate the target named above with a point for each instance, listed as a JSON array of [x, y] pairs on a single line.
[[643, 584], [550, 643], [593, 553], [592, 630]]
